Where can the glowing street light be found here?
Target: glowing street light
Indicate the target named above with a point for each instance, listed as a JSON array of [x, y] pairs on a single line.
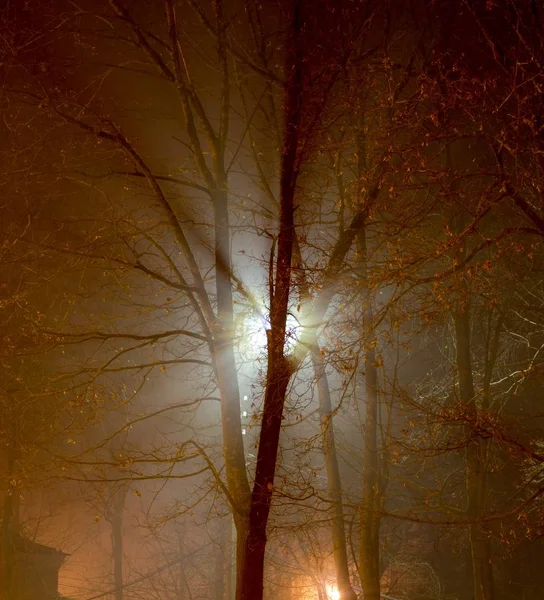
[[253, 337], [252, 333], [333, 593]]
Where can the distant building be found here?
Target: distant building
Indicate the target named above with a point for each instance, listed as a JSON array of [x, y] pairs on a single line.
[[34, 570]]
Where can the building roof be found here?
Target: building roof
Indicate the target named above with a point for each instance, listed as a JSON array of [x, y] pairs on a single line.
[[25, 546]]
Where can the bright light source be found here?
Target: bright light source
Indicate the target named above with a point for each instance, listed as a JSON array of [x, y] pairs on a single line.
[[243, 431], [333, 593], [253, 338], [244, 413], [252, 332], [245, 398]]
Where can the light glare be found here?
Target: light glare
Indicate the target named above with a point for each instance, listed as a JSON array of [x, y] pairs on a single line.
[[254, 338], [333, 593], [253, 335]]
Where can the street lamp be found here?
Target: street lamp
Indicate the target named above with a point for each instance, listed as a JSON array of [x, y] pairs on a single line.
[[333, 593]]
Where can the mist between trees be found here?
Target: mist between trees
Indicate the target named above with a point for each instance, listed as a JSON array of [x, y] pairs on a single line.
[[272, 299]]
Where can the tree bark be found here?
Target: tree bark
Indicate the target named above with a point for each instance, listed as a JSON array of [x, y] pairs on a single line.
[[115, 517], [474, 459], [253, 558], [221, 325], [370, 521], [7, 546], [230, 563], [10, 516], [227, 380], [369, 544], [279, 369], [223, 329], [339, 546]]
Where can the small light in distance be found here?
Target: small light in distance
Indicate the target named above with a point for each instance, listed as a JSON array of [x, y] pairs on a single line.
[[333, 593], [245, 398], [244, 413], [243, 431]]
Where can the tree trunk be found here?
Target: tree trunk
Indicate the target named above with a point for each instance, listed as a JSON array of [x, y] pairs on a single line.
[[7, 547], [474, 459], [230, 563], [10, 517], [221, 326], [227, 379], [369, 544], [370, 521], [279, 369], [339, 546], [253, 567], [115, 518]]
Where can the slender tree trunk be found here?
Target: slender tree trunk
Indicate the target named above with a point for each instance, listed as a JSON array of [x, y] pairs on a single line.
[[115, 518], [370, 521], [7, 547], [369, 544], [279, 369], [229, 563], [475, 449], [10, 518], [253, 567], [226, 372], [339, 546], [474, 459], [221, 325], [223, 330]]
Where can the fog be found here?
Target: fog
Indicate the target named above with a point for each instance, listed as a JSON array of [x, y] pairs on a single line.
[[271, 300]]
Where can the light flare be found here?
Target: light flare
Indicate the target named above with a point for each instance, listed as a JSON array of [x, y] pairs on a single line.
[[252, 335], [333, 593]]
